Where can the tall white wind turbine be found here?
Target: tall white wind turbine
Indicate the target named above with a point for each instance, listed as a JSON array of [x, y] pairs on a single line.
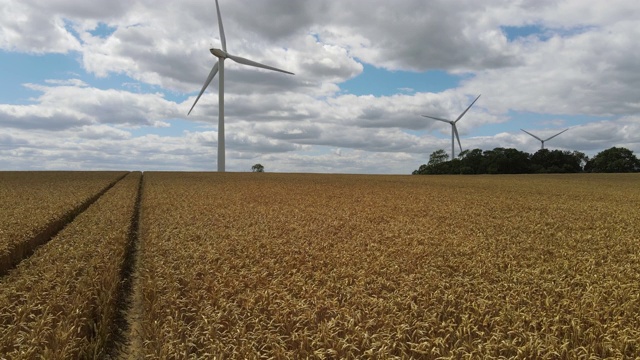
[[222, 55], [454, 129], [547, 139]]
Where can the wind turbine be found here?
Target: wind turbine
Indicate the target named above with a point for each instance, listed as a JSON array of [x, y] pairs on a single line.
[[542, 141], [454, 129], [222, 55]]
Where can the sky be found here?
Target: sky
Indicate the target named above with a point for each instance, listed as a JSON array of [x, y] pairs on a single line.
[[106, 85]]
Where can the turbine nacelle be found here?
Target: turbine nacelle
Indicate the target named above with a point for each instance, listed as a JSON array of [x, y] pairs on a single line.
[[219, 53], [218, 67], [454, 129], [543, 140]]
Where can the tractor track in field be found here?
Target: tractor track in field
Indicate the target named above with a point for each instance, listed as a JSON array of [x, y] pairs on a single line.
[[123, 344], [26, 248]]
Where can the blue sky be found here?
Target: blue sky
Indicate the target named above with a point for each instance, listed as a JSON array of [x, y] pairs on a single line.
[[382, 82], [112, 83]]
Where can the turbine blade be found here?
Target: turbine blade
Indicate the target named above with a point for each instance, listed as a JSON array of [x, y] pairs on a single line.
[[455, 130], [467, 109], [532, 134], [439, 119], [222, 37], [213, 73], [244, 61], [556, 135]]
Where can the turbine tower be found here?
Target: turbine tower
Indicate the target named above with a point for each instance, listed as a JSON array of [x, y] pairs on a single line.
[[542, 141], [222, 55], [454, 129]]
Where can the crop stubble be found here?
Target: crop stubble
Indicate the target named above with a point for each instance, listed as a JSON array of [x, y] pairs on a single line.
[[333, 266]]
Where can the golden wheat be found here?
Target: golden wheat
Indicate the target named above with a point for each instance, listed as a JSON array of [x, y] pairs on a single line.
[[35, 204], [60, 303], [335, 266]]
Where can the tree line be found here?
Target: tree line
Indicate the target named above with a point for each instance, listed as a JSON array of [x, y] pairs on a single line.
[[513, 161]]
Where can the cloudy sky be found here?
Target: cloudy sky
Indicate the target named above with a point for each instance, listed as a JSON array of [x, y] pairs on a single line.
[[107, 84]]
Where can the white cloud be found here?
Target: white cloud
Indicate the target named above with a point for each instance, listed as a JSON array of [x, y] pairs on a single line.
[[592, 73], [585, 63], [70, 103], [29, 28]]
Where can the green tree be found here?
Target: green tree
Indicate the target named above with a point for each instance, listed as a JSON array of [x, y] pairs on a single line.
[[438, 164], [507, 161], [421, 170], [582, 158], [257, 168], [557, 161], [472, 162], [614, 160], [437, 157]]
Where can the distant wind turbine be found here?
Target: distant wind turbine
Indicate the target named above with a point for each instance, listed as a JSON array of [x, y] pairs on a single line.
[[454, 129], [542, 141], [222, 54]]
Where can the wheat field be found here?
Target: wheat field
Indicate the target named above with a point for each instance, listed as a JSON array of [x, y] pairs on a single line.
[[332, 266], [280, 266], [35, 205], [62, 302]]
